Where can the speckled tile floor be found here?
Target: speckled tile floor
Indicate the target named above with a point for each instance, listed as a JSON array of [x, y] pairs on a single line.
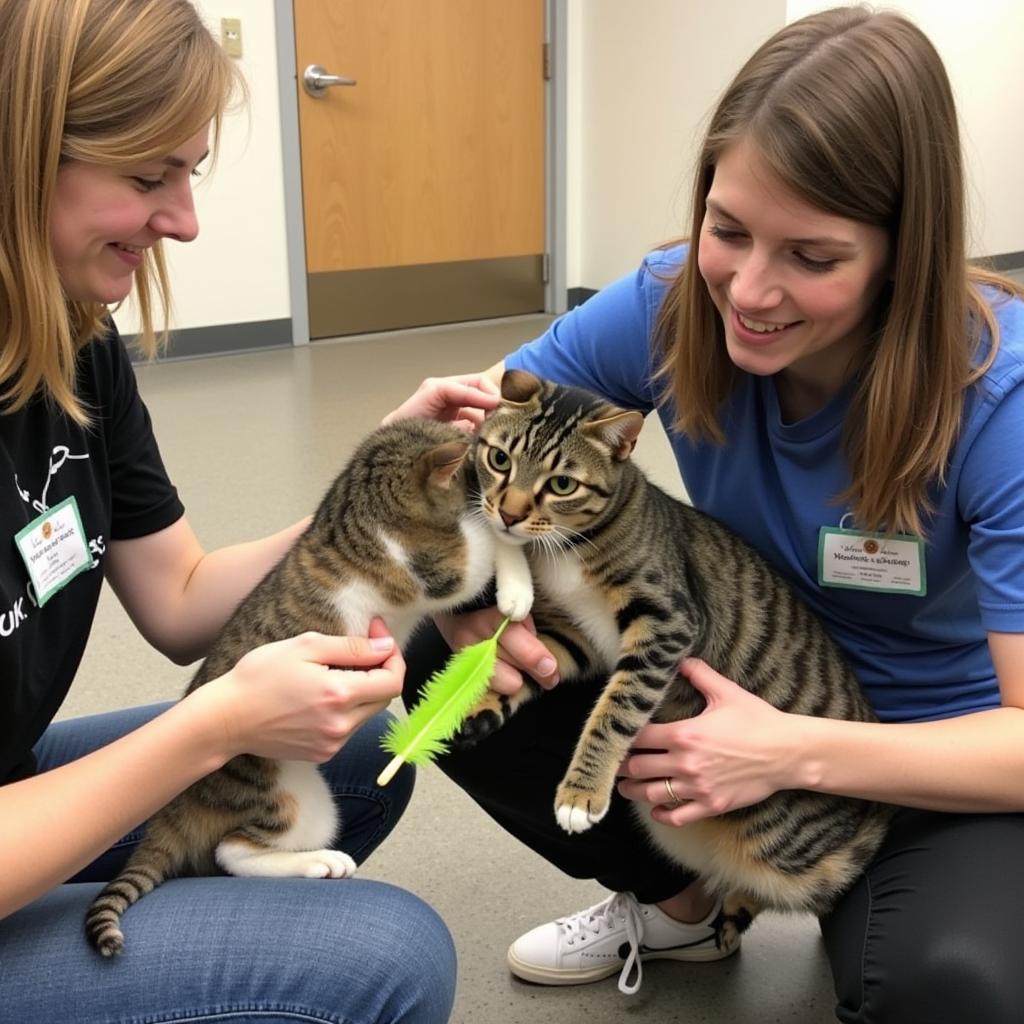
[[252, 440]]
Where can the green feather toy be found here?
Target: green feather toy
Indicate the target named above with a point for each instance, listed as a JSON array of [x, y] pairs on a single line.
[[450, 694]]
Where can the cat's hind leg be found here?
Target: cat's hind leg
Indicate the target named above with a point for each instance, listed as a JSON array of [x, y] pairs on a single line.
[[644, 671], [584, 794], [568, 646], [246, 856], [492, 711], [292, 840]]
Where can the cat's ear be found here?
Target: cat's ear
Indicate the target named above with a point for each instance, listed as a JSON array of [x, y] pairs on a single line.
[[619, 432], [518, 387], [444, 462]]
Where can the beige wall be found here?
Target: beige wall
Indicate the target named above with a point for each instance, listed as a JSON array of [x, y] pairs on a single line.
[[236, 271], [982, 46], [649, 74], [642, 77]]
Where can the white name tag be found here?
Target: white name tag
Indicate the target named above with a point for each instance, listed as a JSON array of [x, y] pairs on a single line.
[[54, 549], [871, 561]]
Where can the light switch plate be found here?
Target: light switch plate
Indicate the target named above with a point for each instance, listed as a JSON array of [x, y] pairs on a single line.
[[231, 36]]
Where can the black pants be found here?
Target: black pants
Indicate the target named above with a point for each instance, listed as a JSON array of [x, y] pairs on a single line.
[[933, 932]]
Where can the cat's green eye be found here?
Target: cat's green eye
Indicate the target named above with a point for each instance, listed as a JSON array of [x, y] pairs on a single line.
[[498, 460], [563, 486]]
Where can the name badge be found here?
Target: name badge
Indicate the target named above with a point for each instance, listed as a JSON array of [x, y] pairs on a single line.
[[54, 549], [871, 561]]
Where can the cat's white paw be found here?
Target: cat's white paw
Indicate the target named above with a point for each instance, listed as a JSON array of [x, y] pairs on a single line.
[[574, 818], [326, 864], [515, 600], [242, 859]]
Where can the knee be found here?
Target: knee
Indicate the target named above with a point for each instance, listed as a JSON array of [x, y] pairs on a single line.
[[948, 979], [413, 967]]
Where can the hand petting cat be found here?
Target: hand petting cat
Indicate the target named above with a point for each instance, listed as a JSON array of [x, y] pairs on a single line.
[[736, 752], [462, 400], [303, 697]]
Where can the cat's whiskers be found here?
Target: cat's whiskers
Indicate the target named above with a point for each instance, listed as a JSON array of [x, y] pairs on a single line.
[[566, 534], [549, 546], [478, 514]]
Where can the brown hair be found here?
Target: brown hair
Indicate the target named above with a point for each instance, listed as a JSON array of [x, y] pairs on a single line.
[[104, 81], [853, 112]]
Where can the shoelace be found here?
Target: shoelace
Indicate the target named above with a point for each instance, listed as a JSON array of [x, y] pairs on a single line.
[[591, 922]]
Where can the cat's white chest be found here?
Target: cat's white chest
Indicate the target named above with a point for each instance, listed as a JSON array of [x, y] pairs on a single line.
[[561, 577], [315, 816], [480, 544]]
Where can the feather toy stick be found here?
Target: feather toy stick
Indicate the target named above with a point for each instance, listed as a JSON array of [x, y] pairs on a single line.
[[450, 694]]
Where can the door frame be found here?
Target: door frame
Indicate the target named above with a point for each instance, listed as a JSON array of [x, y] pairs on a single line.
[[555, 161]]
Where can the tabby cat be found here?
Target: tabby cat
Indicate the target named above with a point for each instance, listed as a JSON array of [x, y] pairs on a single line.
[[628, 583], [396, 536]]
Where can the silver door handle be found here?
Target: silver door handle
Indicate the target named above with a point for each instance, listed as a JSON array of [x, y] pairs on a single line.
[[317, 80]]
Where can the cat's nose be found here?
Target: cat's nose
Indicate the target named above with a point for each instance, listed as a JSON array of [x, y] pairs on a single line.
[[509, 519]]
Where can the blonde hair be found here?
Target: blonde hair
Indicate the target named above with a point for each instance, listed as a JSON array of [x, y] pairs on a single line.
[[113, 82], [853, 112]]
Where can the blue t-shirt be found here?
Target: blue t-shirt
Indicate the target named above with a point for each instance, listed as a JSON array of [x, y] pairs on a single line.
[[918, 657]]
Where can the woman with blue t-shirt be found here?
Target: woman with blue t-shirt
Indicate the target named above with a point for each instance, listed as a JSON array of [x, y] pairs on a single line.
[[823, 359]]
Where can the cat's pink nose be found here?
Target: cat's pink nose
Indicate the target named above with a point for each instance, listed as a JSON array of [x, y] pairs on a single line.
[[510, 520]]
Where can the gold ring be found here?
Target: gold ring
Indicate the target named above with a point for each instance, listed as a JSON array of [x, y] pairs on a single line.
[[672, 798]]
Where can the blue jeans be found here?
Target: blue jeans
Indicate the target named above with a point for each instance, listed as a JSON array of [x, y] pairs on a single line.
[[235, 949]]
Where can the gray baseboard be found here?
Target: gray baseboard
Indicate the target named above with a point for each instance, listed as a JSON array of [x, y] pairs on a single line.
[[224, 339], [577, 296], [1006, 261]]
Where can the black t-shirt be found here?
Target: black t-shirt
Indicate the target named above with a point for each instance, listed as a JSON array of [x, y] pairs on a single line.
[[114, 470]]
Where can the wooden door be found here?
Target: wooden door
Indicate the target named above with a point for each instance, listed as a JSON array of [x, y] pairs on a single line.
[[423, 183]]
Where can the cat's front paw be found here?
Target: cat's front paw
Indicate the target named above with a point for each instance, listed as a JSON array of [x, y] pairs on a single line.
[[515, 599], [576, 810], [325, 864]]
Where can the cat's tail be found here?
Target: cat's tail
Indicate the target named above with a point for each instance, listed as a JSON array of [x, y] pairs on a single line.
[[149, 866]]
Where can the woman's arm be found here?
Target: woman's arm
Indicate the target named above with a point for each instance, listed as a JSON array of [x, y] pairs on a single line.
[[127, 781], [740, 750], [285, 700], [463, 399], [178, 595], [970, 763]]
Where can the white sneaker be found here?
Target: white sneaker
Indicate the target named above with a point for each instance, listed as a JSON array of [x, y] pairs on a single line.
[[616, 935]]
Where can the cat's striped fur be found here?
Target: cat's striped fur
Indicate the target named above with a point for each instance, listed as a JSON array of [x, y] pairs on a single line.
[[628, 582], [395, 536]]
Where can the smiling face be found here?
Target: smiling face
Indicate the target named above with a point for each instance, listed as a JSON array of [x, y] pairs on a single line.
[[103, 218], [797, 288]]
